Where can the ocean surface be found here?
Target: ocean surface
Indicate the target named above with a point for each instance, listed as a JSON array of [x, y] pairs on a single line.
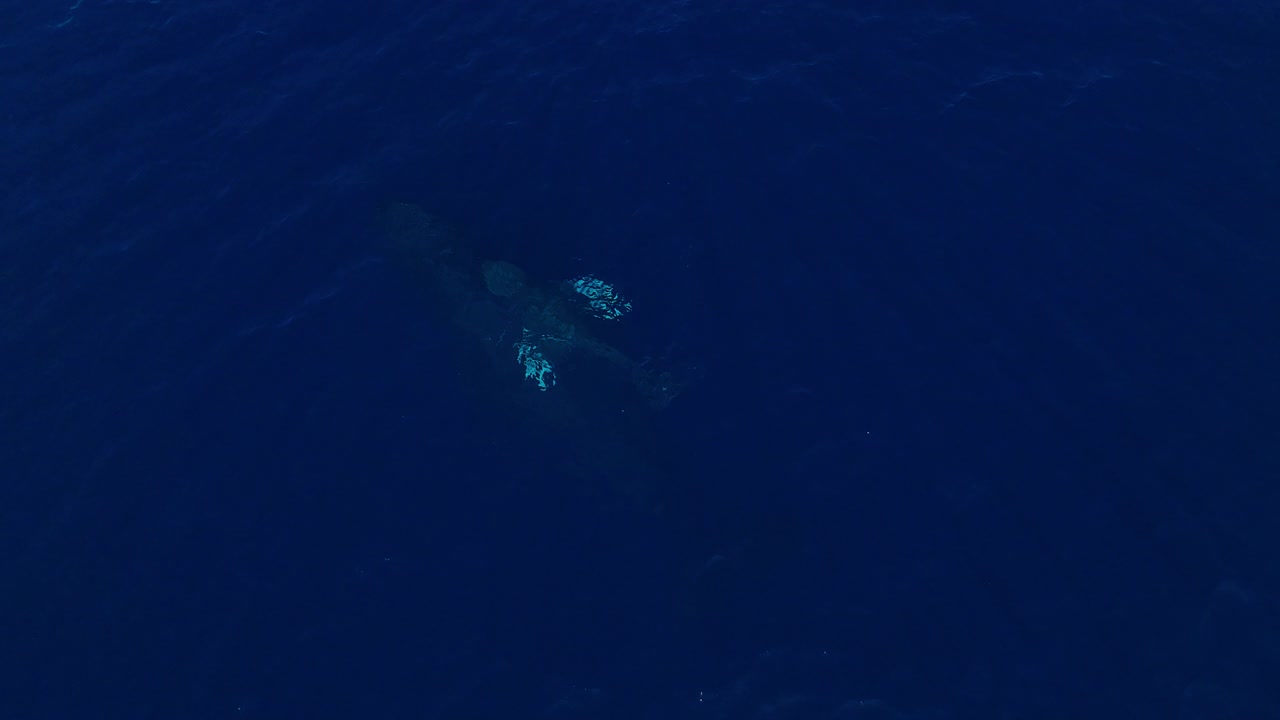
[[976, 303]]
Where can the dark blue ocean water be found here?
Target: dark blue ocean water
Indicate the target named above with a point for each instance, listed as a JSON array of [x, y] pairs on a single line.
[[982, 298]]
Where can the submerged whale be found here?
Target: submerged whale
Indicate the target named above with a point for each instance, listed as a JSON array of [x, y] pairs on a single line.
[[534, 350]]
